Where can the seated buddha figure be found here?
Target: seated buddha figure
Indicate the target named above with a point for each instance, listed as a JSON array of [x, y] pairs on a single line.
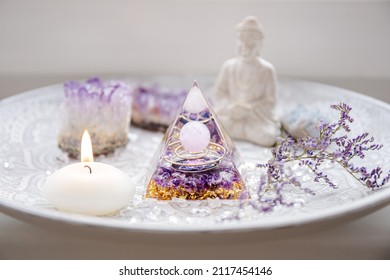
[[245, 91]]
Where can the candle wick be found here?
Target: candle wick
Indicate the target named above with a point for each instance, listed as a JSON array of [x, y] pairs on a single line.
[[90, 169]]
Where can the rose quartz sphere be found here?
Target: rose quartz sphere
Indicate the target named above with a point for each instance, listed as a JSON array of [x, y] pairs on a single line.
[[194, 136]]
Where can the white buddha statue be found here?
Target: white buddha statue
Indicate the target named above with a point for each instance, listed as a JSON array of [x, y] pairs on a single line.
[[245, 90]]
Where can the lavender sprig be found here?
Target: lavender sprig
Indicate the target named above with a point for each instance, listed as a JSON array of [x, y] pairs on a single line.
[[333, 144]]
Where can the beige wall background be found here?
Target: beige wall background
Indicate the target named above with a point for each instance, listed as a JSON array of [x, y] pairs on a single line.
[[43, 41]]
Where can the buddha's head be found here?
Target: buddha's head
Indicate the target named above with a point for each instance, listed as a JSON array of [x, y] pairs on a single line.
[[250, 37]]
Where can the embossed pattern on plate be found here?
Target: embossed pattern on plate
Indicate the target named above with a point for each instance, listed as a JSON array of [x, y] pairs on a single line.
[[29, 124]]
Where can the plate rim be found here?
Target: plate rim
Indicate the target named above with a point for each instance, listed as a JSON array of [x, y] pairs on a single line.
[[381, 197]]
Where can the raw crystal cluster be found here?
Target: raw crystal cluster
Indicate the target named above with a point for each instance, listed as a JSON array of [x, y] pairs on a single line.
[[155, 107], [103, 108], [196, 159]]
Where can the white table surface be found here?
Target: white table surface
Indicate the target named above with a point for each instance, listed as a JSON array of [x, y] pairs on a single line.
[[365, 237]]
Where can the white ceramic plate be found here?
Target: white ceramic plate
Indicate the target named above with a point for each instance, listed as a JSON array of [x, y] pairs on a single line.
[[28, 154]]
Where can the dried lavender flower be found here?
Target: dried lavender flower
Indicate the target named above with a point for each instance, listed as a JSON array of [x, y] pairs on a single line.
[[333, 144]]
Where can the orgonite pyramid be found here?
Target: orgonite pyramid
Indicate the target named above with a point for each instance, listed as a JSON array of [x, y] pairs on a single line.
[[196, 159]]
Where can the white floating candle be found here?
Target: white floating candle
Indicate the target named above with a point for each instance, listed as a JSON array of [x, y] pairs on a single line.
[[88, 187]]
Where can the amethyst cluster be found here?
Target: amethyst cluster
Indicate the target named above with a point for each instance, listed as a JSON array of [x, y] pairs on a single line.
[[155, 107], [103, 108]]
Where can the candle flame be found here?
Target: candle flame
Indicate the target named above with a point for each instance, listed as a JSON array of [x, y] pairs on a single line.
[[86, 147]]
